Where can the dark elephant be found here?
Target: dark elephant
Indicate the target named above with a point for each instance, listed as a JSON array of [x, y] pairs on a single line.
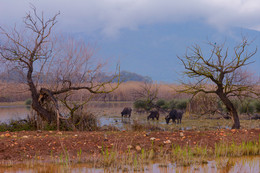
[[153, 115], [174, 115], [126, 111]]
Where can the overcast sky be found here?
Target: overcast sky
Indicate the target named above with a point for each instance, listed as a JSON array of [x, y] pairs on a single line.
[[146, 35], [110, 16]]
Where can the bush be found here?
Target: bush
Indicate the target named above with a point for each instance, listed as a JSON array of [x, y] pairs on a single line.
[[139, 104], [142, 104], [257, 105], [85, 122], [247, 107], [182, 104], [28, 102], [17, 125], [172, 104], [162, 104]]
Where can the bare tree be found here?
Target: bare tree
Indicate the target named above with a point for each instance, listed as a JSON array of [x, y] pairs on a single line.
[[220, 73], [147, 93], [53, 69]]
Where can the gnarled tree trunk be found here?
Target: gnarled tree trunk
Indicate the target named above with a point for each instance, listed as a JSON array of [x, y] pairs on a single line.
[[230, 107]]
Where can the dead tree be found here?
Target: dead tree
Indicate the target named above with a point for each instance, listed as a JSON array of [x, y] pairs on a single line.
[[220, 73], [52, 67]]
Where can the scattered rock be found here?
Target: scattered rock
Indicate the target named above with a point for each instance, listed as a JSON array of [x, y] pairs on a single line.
[[129, 146], [181, 134], [75, 135], [167, 142], [152, 138], [59, 133], [138, 148], [25, 137], [7, 135]]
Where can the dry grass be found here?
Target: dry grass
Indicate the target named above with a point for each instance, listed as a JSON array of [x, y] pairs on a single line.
[[10, 92]]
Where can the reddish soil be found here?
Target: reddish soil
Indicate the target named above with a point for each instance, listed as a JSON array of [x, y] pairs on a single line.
[[29, 145]]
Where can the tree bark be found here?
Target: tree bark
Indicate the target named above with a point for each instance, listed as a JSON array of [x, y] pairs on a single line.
[[230, 107], [46, 115]]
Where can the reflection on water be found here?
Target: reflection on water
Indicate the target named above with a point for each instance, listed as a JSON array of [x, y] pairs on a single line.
[[109, 104], [120, 123], [232, 165], [21, 112], [13, 112]]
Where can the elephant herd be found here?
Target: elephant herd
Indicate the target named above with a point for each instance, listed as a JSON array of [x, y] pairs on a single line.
[[173, 115]]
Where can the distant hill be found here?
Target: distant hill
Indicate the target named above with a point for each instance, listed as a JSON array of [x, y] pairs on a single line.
[[130, 76], [125, 76]]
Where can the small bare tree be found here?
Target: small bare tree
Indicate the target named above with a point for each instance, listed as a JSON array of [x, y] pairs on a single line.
[[53, 69], [148, 93], [220, 73]]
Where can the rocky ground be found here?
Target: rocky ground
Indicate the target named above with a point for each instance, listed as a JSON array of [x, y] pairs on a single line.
[[47, 145]]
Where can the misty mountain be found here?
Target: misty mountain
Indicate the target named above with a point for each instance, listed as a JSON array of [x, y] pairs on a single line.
[[125, 76], [18, 77]]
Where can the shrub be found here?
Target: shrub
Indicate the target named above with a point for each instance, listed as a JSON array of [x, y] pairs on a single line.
[[162, 104], [257, 105], [172, 104], [247, 107], [85, 122], [17, 125], [139, 104], [182, 104], [28, 102], [142, 104]]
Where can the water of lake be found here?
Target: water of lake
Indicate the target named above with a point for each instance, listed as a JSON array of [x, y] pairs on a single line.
[[109, 114], [13, 112], [21, 112], [224, 165]]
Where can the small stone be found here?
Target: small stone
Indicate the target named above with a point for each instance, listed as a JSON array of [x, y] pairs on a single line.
[[181, 134], [129, 146], [99, 147], [25, 137], [76, 135], [7, 135], [50, 131], [138, 148], [167, 142], [59, 133], [14, 136], [2, 136], [152, 138]]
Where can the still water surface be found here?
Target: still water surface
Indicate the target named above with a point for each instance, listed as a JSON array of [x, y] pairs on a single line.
[[232, 165], [13, 112]]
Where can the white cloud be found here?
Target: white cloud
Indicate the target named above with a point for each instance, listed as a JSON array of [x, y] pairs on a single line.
[[110, 16]]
